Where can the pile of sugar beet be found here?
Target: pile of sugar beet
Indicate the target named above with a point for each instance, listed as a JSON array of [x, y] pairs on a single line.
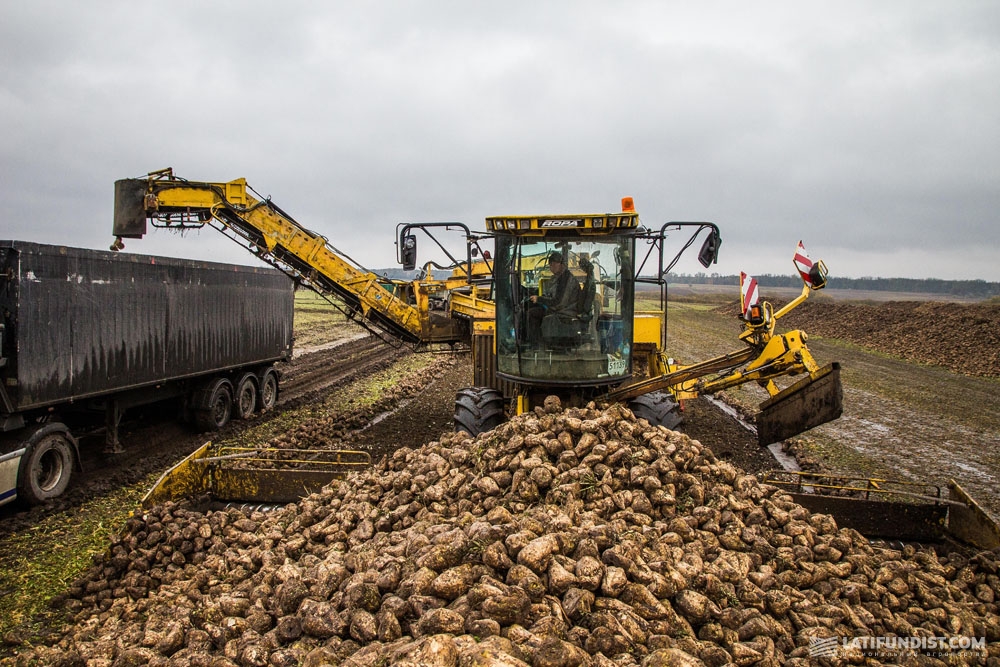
[[563, 537]]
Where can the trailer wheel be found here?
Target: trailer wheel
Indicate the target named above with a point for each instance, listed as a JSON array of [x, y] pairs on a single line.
[[46, 468], [267, 398], [658, 408], [246, 397], [478, 409], [218, 407]]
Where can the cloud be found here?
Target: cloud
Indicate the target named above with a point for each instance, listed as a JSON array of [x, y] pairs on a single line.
[[867, 130]]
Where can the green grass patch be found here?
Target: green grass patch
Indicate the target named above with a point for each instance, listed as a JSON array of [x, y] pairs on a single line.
[[838, 457], [43, 561], [308, 301], [370, 389], [317, 320]]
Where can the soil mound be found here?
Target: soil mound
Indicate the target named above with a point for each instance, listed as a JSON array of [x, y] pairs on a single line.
[[964, 338]]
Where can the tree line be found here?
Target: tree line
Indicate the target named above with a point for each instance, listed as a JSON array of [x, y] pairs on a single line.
[[978, 289], [965, 288]]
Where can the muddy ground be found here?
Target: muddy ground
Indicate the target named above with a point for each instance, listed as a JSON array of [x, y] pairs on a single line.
[[949, 342], [421, 420], [929, 419]]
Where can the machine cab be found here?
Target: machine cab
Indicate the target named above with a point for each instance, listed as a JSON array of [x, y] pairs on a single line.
[[564, 290]]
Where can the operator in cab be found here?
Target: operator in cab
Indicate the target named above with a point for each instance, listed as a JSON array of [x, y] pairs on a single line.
[[561, 295]]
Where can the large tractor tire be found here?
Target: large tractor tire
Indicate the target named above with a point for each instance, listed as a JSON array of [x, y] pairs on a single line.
[[245, 399], [47, 466], [478, 409], [658, 408], [214, 405]]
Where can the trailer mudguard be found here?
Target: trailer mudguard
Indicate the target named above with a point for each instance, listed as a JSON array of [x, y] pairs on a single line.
[[9, 465]]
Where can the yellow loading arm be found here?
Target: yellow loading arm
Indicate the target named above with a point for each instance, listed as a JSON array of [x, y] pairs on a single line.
[[273, 236], [813, 400], [767, 356]]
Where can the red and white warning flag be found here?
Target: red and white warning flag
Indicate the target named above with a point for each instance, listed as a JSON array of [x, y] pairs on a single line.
[[803, 263], [749, 295]]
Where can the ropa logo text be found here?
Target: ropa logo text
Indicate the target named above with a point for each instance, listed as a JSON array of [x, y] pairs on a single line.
[[561, 223]]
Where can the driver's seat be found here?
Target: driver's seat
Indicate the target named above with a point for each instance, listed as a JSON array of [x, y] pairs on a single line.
[[569, 330]]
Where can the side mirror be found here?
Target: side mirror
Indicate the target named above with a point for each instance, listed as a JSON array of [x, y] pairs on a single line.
[[408, 251], [709, 252], [817, 276]]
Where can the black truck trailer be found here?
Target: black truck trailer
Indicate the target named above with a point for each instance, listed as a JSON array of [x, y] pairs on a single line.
[[89, 332]]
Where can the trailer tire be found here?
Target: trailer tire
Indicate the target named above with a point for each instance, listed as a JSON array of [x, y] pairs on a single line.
[[267, 397], [478, 409], [216, 407], [46, 468], [658, 408], [245, 402]]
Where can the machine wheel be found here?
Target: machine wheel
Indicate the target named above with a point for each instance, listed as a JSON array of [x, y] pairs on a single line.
[[46, 468], [267, 397], [246, 397], [214, 412], [658, 408], [478, 409]]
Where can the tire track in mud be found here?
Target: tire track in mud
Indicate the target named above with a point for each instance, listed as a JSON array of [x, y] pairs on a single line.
[[312, 372]]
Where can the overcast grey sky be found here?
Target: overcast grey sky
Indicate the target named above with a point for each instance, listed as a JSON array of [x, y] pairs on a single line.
[[869, 130]]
